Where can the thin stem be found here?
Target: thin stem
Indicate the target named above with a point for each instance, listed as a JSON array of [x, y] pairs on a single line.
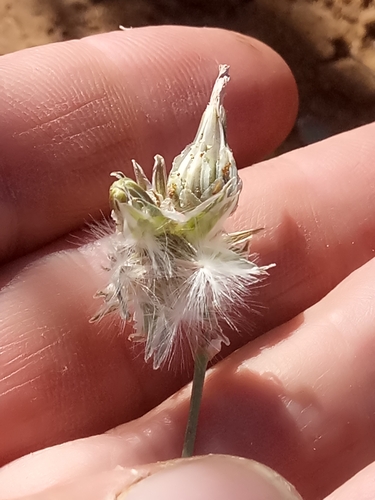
[[200, 366]]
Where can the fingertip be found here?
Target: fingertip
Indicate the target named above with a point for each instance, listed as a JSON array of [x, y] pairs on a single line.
[[216, 476], [261, 102], [360, 487]]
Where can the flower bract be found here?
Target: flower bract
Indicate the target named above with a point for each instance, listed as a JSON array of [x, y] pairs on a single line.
[[175, 272]]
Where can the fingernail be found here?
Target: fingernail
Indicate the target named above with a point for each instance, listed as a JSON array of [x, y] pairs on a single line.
[[215, 476]]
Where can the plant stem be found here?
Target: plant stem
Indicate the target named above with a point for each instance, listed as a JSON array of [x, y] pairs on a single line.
[[200, 366]]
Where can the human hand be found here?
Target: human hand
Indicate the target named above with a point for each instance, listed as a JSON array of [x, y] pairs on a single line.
[[298, 398]]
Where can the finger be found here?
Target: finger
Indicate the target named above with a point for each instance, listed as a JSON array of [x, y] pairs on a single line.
[[84, 379], [92, 105], [317, 206], [298, 399], [360, 487], [216, 477], [60, 376], [103, 486]]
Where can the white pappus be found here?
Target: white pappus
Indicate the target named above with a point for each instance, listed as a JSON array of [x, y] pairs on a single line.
[[175, 272]]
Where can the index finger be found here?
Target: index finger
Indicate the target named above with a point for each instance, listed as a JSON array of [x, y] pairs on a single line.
[[71, 113]]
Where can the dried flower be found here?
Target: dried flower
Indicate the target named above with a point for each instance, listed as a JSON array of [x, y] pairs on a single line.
[[175, 271]]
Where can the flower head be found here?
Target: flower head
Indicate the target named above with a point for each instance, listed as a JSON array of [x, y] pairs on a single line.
[[175, 271]]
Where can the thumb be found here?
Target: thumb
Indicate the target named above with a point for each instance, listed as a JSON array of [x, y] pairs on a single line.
[[217, 477]]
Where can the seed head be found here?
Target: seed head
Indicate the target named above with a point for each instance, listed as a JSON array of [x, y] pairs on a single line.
[[175, 271]]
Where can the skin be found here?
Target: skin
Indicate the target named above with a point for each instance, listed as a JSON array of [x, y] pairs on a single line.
[[299, 398]]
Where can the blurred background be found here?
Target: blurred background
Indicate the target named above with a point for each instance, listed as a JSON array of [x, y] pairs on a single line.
[[329, 44]]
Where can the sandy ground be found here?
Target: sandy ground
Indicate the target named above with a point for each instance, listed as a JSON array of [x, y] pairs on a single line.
[[329, 44]]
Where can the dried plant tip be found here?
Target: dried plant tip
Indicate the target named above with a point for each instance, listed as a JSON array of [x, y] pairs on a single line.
[[207, 165], [174, 270], [159, 177]]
